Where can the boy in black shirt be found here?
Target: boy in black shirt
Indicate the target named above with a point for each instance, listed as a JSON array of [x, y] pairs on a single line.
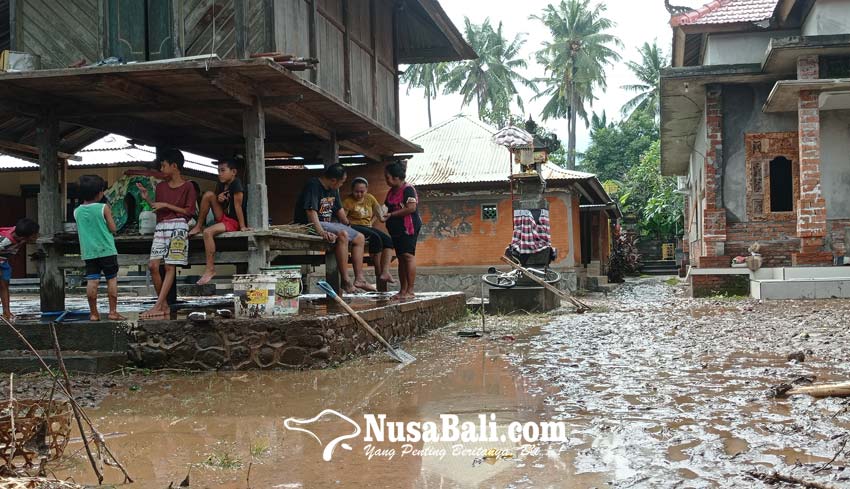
[[228, 204], [320, 205]]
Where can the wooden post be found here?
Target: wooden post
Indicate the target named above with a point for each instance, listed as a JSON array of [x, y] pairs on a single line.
[[332, 270], [330, 151], [313, 19], [50, 212], [346, 52], [254, 131], [373, 44], [241, 28]]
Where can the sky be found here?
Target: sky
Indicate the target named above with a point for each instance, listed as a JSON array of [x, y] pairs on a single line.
[[637, 21]]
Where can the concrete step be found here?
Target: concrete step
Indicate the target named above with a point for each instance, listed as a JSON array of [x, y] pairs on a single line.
[[75, 361], [660, 272], [98, 336], [801, 288]]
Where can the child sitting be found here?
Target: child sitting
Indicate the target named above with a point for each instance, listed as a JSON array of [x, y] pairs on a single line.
[[95, 226], [11, 241], [228, 204]]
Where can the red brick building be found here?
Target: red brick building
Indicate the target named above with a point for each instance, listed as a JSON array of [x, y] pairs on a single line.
[[755, 111]]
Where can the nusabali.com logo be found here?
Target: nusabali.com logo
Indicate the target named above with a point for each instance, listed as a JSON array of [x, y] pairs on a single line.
[[449, 429]]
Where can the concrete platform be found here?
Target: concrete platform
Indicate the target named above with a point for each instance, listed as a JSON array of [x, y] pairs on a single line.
[[522, 299], [92, 362], [801, 283]]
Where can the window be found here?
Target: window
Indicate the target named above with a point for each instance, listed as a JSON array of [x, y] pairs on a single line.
[[139, 30], [781, 185], [489, 212]]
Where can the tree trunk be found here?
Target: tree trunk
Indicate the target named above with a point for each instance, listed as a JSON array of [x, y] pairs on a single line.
[[571, 148], [429, 109]]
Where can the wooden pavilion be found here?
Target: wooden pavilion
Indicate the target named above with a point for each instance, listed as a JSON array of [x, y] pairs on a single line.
[[215, 107]]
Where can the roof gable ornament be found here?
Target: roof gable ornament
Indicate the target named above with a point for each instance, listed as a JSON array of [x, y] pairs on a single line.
[[676, 10]]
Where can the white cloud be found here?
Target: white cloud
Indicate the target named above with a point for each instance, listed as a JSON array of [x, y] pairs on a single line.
[[638, 21]]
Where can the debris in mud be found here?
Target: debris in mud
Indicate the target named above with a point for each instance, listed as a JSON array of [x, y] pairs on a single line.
[[777, 478], [797, 356], [36, 483]]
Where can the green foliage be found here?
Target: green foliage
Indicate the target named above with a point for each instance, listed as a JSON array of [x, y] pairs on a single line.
[[648, 88], [490, 80], [617, 147], [652, 196], [624, 259]]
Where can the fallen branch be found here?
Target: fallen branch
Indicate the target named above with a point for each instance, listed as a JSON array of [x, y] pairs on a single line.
[[71, 400], [776, 478], [837, 389]]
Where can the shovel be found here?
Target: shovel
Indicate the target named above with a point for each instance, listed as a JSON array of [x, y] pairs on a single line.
[[397, 353]]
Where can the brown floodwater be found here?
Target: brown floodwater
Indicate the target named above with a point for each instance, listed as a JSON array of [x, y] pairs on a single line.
[[656, 391]]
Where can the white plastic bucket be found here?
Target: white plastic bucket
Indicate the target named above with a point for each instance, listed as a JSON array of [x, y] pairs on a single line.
[[287, 289], [253, 295], [147, 222]]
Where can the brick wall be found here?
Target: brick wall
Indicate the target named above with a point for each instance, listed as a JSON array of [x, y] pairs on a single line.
[[714, 216], [454, 233], [710, 285], [778, 240]]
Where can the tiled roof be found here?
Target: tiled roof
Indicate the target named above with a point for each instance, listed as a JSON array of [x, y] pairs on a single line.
[[461, 150], [727, 12]]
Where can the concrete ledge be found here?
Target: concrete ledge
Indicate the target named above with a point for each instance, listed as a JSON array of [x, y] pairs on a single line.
[[318, 337], [718, 271], [103, 336], [84, 362], [811, 288]]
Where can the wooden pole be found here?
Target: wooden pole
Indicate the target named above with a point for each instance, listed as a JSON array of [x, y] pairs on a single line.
[[254, 131], [330, 151], [50, 211]]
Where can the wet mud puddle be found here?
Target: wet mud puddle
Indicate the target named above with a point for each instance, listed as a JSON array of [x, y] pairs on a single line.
[[653, 394]]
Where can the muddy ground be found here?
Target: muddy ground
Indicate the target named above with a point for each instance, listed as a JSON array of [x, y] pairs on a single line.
[[658, 390]]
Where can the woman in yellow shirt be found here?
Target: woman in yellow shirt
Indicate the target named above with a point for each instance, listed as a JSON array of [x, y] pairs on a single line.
[[363, 210]]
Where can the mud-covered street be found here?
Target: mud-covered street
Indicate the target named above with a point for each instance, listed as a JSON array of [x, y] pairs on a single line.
[[657, 390]]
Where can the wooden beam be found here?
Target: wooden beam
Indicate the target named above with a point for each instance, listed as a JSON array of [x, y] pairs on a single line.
[[346, 52], [397, 117], [52, 283], [14, 32], [313, 19], [302, 119], [373, 44], [136, 92], [26, 148], [241, 28], [254, 132], [366, 151]]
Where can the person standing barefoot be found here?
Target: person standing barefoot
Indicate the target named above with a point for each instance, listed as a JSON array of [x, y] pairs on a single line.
[[403, 223]]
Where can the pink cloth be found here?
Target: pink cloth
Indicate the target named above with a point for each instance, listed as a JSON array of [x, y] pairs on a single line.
[[395, 201]]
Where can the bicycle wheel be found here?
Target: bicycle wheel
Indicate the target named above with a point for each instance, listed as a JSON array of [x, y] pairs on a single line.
[[552, 277], [500, 280]]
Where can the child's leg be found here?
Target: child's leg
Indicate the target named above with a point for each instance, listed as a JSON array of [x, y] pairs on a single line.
[[112, 292], [357, 250], [410, 265], [208, 201], [209, 247], [91, 295], [153, 266], [402, 274], [161, 307]]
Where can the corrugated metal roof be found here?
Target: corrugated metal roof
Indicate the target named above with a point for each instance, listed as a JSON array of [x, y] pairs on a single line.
[[727, 12], [114, 150], [461, 150]]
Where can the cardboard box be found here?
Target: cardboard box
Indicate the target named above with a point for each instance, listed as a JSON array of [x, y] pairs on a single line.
[[18, 61]]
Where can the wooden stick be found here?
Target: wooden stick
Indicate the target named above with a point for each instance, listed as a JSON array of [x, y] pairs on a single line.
[[580, 306], [776, 477], [12, 421], [836, 389], [74, 406], [71, 399]]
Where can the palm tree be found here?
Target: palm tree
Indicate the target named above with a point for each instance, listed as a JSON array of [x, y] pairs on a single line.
[[575, 61], [491, 79], [648, 73], [429, 76]]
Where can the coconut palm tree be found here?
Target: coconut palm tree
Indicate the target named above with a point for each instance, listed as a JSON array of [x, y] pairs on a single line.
[[575, 61], [429, 76], [648, 73], [490, 80]]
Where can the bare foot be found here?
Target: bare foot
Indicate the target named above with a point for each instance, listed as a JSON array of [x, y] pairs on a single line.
[[347, 287], [205, 279], [154, 313], [10, 317], [195, 230], [114, 316], [364, 285], [388, 278], [94, 316]]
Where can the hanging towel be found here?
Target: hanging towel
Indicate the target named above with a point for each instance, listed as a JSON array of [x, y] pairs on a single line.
[[530, 235]]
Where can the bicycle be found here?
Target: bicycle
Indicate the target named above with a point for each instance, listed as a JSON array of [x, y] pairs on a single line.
[[506, 280]]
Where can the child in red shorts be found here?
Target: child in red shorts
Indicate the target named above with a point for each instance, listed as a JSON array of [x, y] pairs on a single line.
[[228, 204]]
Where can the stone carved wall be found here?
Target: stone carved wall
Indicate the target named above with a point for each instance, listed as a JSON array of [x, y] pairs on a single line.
[[761, 148], [298, 342]]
